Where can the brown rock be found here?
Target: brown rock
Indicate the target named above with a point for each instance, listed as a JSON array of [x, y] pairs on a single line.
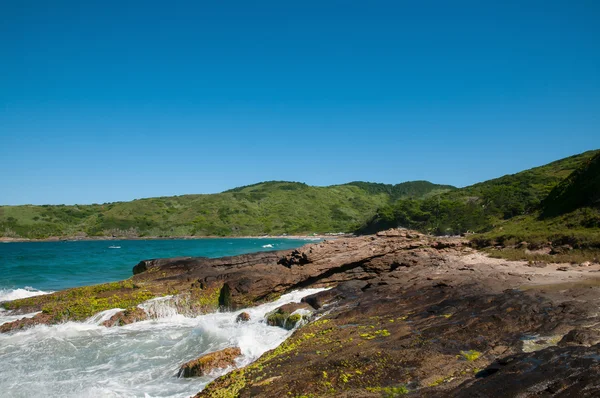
[[291, 307], [126, 317], [390, 233], [206, 363], [243, 317], [25, 323]]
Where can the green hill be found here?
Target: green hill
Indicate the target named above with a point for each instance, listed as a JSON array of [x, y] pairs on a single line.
[[557, 202], [413, 189], [273, 207], [569, 215], [580, 189], [479, 207]]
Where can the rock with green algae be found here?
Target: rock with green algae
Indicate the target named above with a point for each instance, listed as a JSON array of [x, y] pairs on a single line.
[[206, 363], [287, 316]]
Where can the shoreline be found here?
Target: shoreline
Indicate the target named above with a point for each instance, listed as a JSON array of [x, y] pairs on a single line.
[[453, 311], [119, 238]]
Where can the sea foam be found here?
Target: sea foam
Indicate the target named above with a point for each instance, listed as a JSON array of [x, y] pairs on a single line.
[[86, 359], [15, 294]]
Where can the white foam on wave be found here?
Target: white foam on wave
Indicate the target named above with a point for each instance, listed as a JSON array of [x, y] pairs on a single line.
[[100, 317], [161, 308], [6, 316], [15, 294], [85, 359], [267, 246]]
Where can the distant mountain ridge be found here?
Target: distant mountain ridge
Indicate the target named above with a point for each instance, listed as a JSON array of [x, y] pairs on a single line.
[[504, 209], [271, 207]]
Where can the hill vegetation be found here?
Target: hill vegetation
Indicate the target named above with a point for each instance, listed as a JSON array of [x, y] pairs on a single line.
[[488, 205], [551, 205], [274, 207], [580, 189], [568, 218]]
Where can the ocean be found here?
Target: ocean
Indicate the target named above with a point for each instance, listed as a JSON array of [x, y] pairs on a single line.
[[85, 359]]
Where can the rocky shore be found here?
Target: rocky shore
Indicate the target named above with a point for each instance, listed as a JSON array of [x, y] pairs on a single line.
[[407, 314]]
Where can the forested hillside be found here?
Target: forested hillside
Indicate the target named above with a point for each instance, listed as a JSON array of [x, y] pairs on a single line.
[[561, 198], [483, 206], [274, 207]]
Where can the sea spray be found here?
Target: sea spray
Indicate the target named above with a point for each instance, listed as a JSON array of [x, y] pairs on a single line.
[[15, 294], [85, 359], [162, 307], [7, 316]]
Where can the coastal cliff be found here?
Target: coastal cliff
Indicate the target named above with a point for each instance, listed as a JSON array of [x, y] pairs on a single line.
[[406, 313]]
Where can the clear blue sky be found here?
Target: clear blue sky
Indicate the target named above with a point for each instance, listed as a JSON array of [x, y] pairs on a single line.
[[114, 100]]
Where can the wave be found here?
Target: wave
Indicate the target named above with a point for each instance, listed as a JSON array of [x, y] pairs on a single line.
[[79, 359], [15, 294], [267, 246]]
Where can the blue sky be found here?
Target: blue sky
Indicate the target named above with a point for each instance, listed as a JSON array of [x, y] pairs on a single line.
[[103, 100]]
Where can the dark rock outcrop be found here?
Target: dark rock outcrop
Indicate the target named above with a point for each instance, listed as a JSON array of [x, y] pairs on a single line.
[[552, 372], [580, 336]]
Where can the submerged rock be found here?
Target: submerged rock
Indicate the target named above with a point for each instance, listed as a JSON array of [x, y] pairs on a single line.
[[243, 317], [207, 363]]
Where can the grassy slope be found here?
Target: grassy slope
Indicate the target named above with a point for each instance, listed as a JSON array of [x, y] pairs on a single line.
[[274, 207], [569, 215], [480, 207], [580, 189]]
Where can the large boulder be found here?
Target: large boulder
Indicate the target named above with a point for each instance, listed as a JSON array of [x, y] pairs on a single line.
[[209, 362]]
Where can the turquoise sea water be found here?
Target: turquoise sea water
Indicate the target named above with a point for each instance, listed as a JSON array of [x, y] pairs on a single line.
[[59, 265]]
